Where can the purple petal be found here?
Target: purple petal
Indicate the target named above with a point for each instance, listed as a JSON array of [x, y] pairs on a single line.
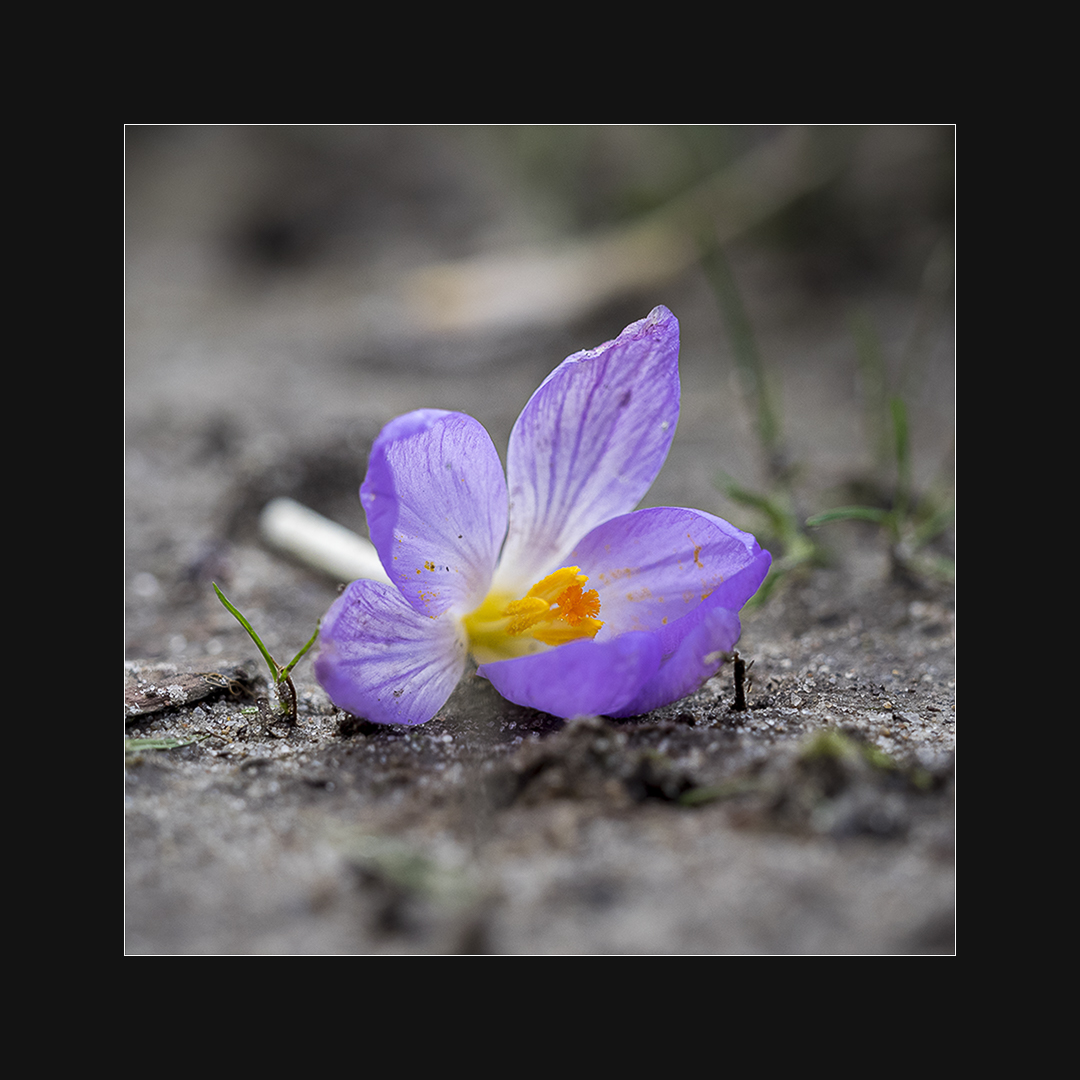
[[671, 582], [654, 566], [589, 444], [706, 640], [435, 498], [383, 661], [580, 678]]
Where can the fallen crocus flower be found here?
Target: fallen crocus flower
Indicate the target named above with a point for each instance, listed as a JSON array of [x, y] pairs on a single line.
[[571, 601]]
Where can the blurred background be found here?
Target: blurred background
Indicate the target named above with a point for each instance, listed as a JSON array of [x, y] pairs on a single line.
[[292, 288]]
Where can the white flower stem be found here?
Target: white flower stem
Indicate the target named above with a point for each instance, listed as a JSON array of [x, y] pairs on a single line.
[[317, 542]]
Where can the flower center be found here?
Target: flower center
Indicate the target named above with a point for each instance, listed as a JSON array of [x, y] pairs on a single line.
[[554, 611]]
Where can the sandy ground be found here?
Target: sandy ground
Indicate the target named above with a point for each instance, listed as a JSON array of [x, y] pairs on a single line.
[[276, 321]]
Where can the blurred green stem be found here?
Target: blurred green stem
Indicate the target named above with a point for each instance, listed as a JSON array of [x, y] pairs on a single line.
[[910, 523], [777, 505], [748, 360]]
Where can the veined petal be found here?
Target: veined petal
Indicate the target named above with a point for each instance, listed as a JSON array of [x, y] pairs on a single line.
[[673, 577], [381, 660], [435, 498], [580, 678], [654, 566], [589, 444], [709, 633]]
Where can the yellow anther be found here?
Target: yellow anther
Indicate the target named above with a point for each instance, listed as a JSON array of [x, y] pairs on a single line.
[[557, 609]]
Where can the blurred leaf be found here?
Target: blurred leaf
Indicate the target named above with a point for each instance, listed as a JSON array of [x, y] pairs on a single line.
[[849, 513], [137, 746]]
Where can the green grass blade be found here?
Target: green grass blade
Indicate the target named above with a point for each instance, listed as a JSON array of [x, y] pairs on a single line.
[[903, 454], [300, 655], [275, 671]]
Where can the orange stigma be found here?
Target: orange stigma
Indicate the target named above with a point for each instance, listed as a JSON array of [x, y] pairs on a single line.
[[557, 609]]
